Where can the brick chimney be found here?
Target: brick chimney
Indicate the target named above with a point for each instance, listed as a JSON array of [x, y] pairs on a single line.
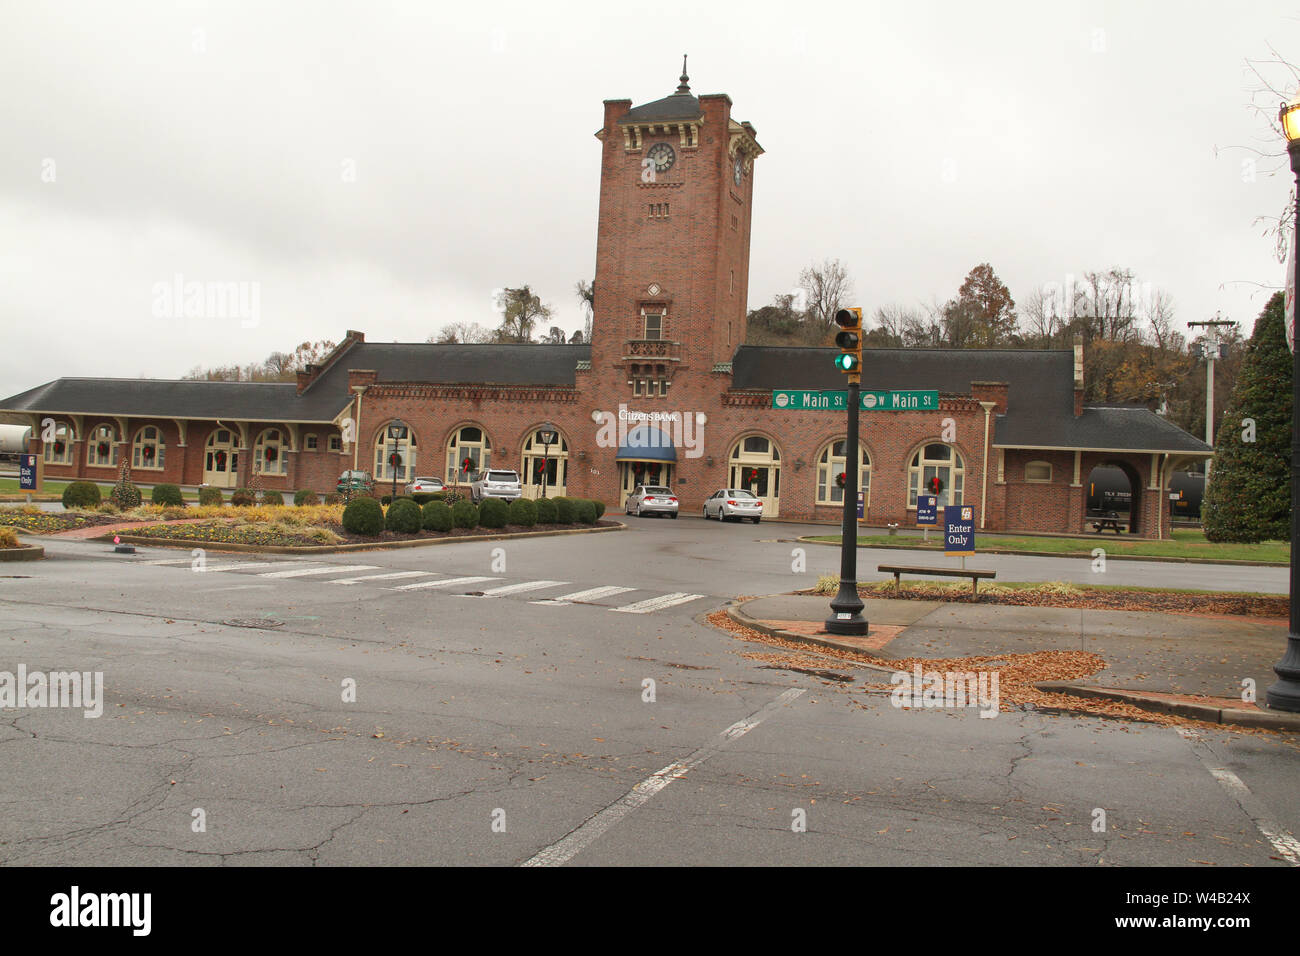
[[361, 376], [306, 376], [995, 392], [1078, 376]]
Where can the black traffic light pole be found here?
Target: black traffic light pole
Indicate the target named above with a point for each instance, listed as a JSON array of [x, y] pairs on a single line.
[[846, 607]]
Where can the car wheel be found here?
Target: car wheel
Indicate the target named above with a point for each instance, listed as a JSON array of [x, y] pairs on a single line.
[[704, 513], [755, 520], [674, 515]]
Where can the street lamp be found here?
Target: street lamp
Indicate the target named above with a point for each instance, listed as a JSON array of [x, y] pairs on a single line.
[[547, 434], [1285, 693], [396, 432]]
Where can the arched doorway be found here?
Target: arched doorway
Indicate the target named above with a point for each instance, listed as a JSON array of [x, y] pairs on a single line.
[[468, 452], [755, 465], [542, 461], [1115, 487], [648, 457], [220, 459]]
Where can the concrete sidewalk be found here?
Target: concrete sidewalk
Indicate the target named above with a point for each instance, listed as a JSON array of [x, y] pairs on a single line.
[[1177, 663]]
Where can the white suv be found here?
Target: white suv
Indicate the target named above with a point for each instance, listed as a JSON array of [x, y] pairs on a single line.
[[496, 483]]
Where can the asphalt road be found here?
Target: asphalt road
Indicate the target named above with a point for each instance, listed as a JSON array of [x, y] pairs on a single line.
[[606, 724]]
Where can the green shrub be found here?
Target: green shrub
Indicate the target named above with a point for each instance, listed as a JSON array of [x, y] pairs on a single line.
[[424, 497], [8, 538], [584, 510], [565, 513], [363, 516], [82, 494], [464, 514], [545, 510], [125, 495], [523, 513], [211, 497], [272, 498], [600, 509], [386, 500], [242, 498], [167, 495], [305, 497], [493, 513], [404, 516], [437, 516]]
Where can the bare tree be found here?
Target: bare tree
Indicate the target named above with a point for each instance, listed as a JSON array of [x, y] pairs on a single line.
[[1275, 80], [827, 287], [1042, 319], [586, 292], [462, 333], [554, 337]]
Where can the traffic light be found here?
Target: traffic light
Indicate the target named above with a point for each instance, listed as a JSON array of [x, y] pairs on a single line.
[[849, 339]]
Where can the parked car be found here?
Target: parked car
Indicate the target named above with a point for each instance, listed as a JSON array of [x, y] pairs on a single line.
[[496, 483], [354, 481], [422, 485], [651, 500], [733, 503]]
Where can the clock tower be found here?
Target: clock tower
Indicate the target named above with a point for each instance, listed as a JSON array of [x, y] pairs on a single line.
[[672, 248]]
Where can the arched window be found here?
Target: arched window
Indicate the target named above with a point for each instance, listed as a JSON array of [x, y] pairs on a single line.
[[468, 451], [101, 450], [403, 467], [58, 451], [148, 450], [755, 465], [540, 461], [269, 456], [832, 463], [941, 462]]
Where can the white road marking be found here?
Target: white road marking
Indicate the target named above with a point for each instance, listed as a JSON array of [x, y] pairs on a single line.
[[255, 564], [561, 852], [329, 569], [379, 577], [447, 583], [592, 594], [1287, 846], [657, 604], [525, 586]]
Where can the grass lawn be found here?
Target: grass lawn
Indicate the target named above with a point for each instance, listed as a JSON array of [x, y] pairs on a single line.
[[9, 486], [1186, 543]]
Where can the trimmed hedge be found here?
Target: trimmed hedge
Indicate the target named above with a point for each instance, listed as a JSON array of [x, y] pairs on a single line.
[[404, 516], [82, 494], [493, 513], [600, 509], [272, 498], [333, 498], [386, 500], [211, 497], [167, 495], [523, 512], [565, 512], [305, 497], [363, 516], [242, 497], [545, 510], [437, 516], [464, 514], [424, 497], [584, 510]]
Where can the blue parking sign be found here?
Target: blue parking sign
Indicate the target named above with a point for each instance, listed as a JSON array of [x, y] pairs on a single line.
[[959, 530], [927, 510]]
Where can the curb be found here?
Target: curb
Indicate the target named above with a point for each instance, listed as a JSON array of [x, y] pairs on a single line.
[[24, 552], [1268, 719], [740, 617], [342, 548], [1085, 555]]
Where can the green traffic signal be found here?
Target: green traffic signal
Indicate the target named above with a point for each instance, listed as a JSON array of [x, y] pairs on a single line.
[[847, 362]]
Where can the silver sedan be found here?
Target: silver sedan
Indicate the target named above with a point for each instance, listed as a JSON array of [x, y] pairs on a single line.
[[733, 503], [651, 500]]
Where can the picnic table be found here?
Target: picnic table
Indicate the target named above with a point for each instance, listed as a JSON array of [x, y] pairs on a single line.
[[1109, 521]]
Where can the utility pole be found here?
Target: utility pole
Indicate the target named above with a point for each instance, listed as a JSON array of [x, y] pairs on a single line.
[[1211, 347]]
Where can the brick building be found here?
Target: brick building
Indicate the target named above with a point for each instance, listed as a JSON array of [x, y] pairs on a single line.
[[666, 393]]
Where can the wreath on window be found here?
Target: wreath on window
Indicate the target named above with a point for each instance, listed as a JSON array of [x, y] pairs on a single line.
[[272, 454], [935, 485], [541, 468], [147, 452], [467, 464], [221, 459], [394, 460], [58, 448], [102, 448], [841, 479]]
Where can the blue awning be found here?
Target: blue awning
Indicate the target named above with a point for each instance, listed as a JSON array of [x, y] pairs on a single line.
[[646, 443]]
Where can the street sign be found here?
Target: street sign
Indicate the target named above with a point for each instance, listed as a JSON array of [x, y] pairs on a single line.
[[28, 476], [801, 400], [959, 530], [927, 510]]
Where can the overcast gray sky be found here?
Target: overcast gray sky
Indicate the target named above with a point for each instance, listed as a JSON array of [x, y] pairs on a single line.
[[386, 166]]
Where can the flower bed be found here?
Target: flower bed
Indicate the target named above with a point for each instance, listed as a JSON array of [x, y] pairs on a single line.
[[272, 534]]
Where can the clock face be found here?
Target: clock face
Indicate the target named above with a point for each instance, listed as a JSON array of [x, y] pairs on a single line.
[[738, 170], [663, 156]]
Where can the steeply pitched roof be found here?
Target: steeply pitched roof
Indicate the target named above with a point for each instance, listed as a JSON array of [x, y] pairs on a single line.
[[677, 108]]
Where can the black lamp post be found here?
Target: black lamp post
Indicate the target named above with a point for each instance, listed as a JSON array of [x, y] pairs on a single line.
[[396, 432], [1285, 693], [547, 434]]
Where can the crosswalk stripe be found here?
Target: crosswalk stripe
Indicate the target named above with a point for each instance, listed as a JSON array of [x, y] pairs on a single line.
[[657, 604], [166, 561], [380, 577], [253, 564], [330, 569], [525, 586], [592, 594], [451, 582]]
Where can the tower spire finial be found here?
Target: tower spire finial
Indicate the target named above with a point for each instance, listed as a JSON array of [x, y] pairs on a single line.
[[685, 86]]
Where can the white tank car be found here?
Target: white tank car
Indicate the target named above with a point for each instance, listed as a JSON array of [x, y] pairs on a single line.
[[13, 441]]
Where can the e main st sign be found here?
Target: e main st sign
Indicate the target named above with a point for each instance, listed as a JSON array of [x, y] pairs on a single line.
[[906, 400]]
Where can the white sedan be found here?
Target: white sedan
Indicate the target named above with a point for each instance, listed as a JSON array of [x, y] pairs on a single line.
[[651, 500], [733, 503], [424, 485]]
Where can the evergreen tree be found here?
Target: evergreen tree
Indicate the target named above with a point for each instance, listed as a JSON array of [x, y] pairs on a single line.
[[1249, 495]]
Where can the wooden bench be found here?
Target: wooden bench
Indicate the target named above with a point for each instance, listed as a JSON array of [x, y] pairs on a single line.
[[898, 571]]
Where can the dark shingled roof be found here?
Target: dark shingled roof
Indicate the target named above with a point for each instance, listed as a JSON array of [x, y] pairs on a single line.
[[323, 400], [679, 107], [1040, 391]]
